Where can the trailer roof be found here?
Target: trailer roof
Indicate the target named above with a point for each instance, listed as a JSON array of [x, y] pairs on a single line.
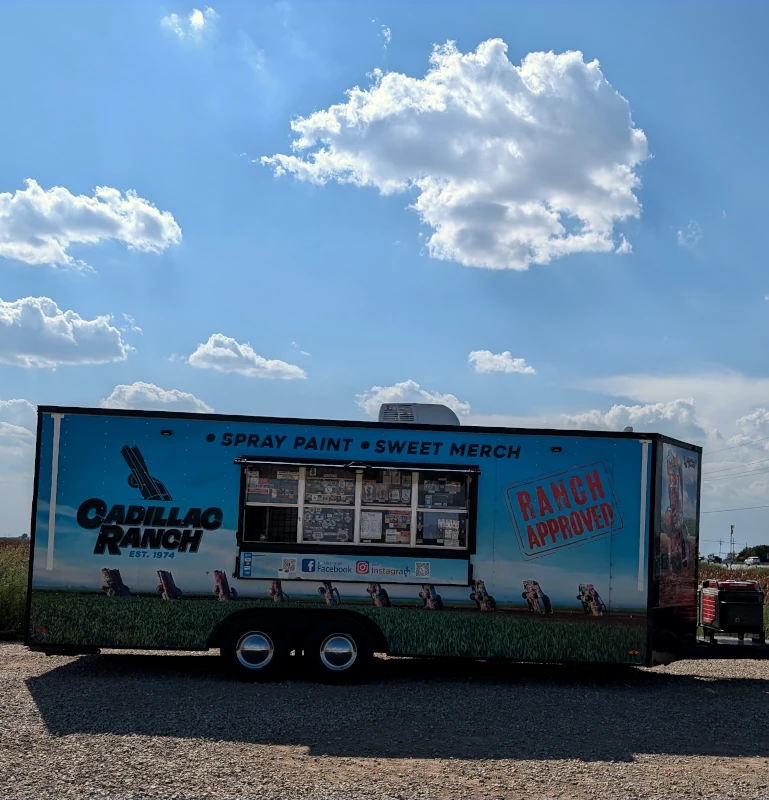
[[193, 415]]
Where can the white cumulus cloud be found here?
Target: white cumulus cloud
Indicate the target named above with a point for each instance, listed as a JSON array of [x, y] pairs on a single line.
[[407, 392], [755, 424], [149, 397], [35, 332], [194, 26], [386, 35], [510, 165], [18, 423], [486, 361], [624, 248], [17, 435], [677, 418], [38, 226], [224, 354], [15, 442], [18, 412]]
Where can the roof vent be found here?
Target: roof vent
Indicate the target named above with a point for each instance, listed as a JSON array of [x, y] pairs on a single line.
[[417, 413]]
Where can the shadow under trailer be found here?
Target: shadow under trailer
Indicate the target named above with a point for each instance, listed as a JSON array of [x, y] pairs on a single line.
[[411, 536]]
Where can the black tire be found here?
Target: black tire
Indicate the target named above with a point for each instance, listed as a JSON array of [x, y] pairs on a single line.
[[255, 649], [339, 651]]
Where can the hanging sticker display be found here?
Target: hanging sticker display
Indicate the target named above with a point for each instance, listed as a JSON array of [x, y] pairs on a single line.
[[327, 525], [330, 487]]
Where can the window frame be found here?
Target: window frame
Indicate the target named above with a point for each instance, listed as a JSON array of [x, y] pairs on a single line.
[[356, 546]]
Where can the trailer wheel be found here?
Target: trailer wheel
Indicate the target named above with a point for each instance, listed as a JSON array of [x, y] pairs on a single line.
[[339, 651], [255, 649]]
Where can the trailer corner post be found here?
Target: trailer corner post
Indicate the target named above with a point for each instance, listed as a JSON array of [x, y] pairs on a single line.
[[643, 527], [54, 485]]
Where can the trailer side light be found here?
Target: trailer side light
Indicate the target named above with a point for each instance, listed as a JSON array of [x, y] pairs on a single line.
[[633, 652], [166, 433], [41, 630], [555, 449]]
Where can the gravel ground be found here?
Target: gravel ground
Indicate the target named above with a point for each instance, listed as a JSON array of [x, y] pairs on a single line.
[[129, 725]]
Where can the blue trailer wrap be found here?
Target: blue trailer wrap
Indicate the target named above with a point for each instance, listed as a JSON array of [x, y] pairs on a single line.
[[526, 544]]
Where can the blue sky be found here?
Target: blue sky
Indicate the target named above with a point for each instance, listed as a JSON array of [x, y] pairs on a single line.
[[338, 281]]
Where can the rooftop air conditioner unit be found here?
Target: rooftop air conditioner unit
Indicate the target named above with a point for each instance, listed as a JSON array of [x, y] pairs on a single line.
[[417, 413]]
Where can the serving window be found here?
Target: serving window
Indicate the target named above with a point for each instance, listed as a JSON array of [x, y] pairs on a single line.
[[373, 506]]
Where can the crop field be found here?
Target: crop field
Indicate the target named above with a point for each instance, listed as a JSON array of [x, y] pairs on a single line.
[[14, 556], [75, 618]]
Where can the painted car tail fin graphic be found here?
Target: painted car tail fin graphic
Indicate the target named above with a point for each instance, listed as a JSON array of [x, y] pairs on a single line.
[[140, 478]]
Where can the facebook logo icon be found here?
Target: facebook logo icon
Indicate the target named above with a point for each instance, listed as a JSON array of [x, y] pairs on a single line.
[[308, 565]]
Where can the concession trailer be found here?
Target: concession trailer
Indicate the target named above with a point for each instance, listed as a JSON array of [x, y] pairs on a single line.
[[412, 536]]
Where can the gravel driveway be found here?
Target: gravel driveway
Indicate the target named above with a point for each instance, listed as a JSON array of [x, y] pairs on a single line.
[[127, 725]]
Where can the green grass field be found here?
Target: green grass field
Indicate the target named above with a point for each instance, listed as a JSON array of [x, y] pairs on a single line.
[[14, 558], [72, 618]]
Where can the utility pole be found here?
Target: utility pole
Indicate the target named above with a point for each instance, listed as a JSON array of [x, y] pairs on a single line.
[[731, 545]]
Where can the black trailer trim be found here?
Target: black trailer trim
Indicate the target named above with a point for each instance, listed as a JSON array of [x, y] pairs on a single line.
[[355, 465], [33, 531], [699, 513], [652, 590], [419, 552]]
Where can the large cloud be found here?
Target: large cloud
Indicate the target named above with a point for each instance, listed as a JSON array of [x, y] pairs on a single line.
[[677, 419], [407, 392], [224, 354], [722, 395], [511, 165], [35, 332], [37, 226], [149, 397]]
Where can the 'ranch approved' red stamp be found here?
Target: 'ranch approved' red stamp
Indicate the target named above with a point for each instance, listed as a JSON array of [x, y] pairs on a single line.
[[563, 510]]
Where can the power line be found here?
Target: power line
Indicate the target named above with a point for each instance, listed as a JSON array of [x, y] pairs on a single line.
[[725, 510], [734, 446], [736, 466], [737, 475]]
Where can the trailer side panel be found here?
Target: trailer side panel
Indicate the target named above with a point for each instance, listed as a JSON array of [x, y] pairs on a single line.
[[527, 546], [676, 540]]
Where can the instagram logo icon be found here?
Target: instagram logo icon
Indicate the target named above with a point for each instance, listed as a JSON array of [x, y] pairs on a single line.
[[362, 567]]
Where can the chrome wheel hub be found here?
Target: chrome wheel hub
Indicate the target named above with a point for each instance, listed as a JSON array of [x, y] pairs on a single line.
[[338, 652], [255, 650]]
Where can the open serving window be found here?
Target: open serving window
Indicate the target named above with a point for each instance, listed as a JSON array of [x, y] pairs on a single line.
[[304, 507]]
